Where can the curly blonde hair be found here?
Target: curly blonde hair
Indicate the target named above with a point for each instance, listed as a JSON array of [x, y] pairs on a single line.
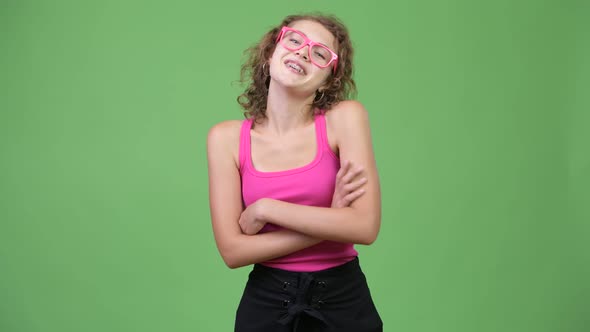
[[340, 84]]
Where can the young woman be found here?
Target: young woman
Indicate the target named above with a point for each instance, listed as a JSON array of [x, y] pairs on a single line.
[[285, 192]]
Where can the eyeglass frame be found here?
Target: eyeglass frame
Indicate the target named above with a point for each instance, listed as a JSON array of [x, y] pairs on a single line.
[[310, 43]]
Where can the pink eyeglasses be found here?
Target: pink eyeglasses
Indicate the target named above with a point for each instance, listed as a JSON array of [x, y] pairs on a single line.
[[319, 54]]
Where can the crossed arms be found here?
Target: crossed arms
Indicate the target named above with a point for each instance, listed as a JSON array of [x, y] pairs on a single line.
[[355, 215]]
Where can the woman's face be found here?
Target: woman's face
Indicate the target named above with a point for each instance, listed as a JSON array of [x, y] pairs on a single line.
[[294, 69]]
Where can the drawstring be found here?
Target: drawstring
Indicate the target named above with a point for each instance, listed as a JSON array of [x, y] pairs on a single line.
[[300, 306]]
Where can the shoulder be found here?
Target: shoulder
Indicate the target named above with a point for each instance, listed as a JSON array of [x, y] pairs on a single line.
[[346, 116], [347, 112], [224, 137], [225, 131], [349, 106], [347, 120]]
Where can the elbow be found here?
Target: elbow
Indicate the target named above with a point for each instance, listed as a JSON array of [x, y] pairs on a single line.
[[232, 265], [233, 260], [230, 260], [233, 254], [368, 239], [369, 236]]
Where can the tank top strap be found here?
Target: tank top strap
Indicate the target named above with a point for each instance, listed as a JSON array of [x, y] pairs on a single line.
[[245, 143], [322, 134]]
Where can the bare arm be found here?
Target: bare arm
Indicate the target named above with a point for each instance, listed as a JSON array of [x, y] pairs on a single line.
[[225, 201], [357, 223]]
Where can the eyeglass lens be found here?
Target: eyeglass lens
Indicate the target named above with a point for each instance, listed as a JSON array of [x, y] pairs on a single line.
[[293, 40]]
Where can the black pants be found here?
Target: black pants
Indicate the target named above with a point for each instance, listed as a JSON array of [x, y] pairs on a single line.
[[336, 299]]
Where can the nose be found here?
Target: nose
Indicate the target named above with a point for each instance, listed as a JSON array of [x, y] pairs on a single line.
[[304, 52]]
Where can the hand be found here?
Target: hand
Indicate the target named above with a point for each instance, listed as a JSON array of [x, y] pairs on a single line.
[[346, 190], [250, 221]]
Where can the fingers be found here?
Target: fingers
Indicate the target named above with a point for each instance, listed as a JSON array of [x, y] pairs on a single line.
[[244, 226], [352, 174], [348, 172], [242, 223], [348, 199], [350, 187], [353, 191], [343, 170]]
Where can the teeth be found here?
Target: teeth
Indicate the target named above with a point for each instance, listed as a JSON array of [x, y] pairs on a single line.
[[295, 66]]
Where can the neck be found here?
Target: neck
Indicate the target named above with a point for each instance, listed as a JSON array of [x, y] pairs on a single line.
[[286, 110]]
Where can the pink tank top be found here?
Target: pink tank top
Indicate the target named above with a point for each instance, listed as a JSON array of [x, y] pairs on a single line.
[[312, 184]]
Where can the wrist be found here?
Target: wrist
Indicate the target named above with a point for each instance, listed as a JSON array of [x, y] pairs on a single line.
[[262, 212]]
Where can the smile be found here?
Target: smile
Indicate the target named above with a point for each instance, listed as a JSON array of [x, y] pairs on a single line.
[[294, 67]]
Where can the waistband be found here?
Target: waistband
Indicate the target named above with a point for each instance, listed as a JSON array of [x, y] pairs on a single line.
[[337, 271], [304, 292]]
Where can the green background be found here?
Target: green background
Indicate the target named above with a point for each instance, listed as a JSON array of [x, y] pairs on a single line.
[[479, 113]]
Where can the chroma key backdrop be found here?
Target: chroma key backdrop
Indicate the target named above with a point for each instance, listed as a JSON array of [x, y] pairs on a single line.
[[480, 118]]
